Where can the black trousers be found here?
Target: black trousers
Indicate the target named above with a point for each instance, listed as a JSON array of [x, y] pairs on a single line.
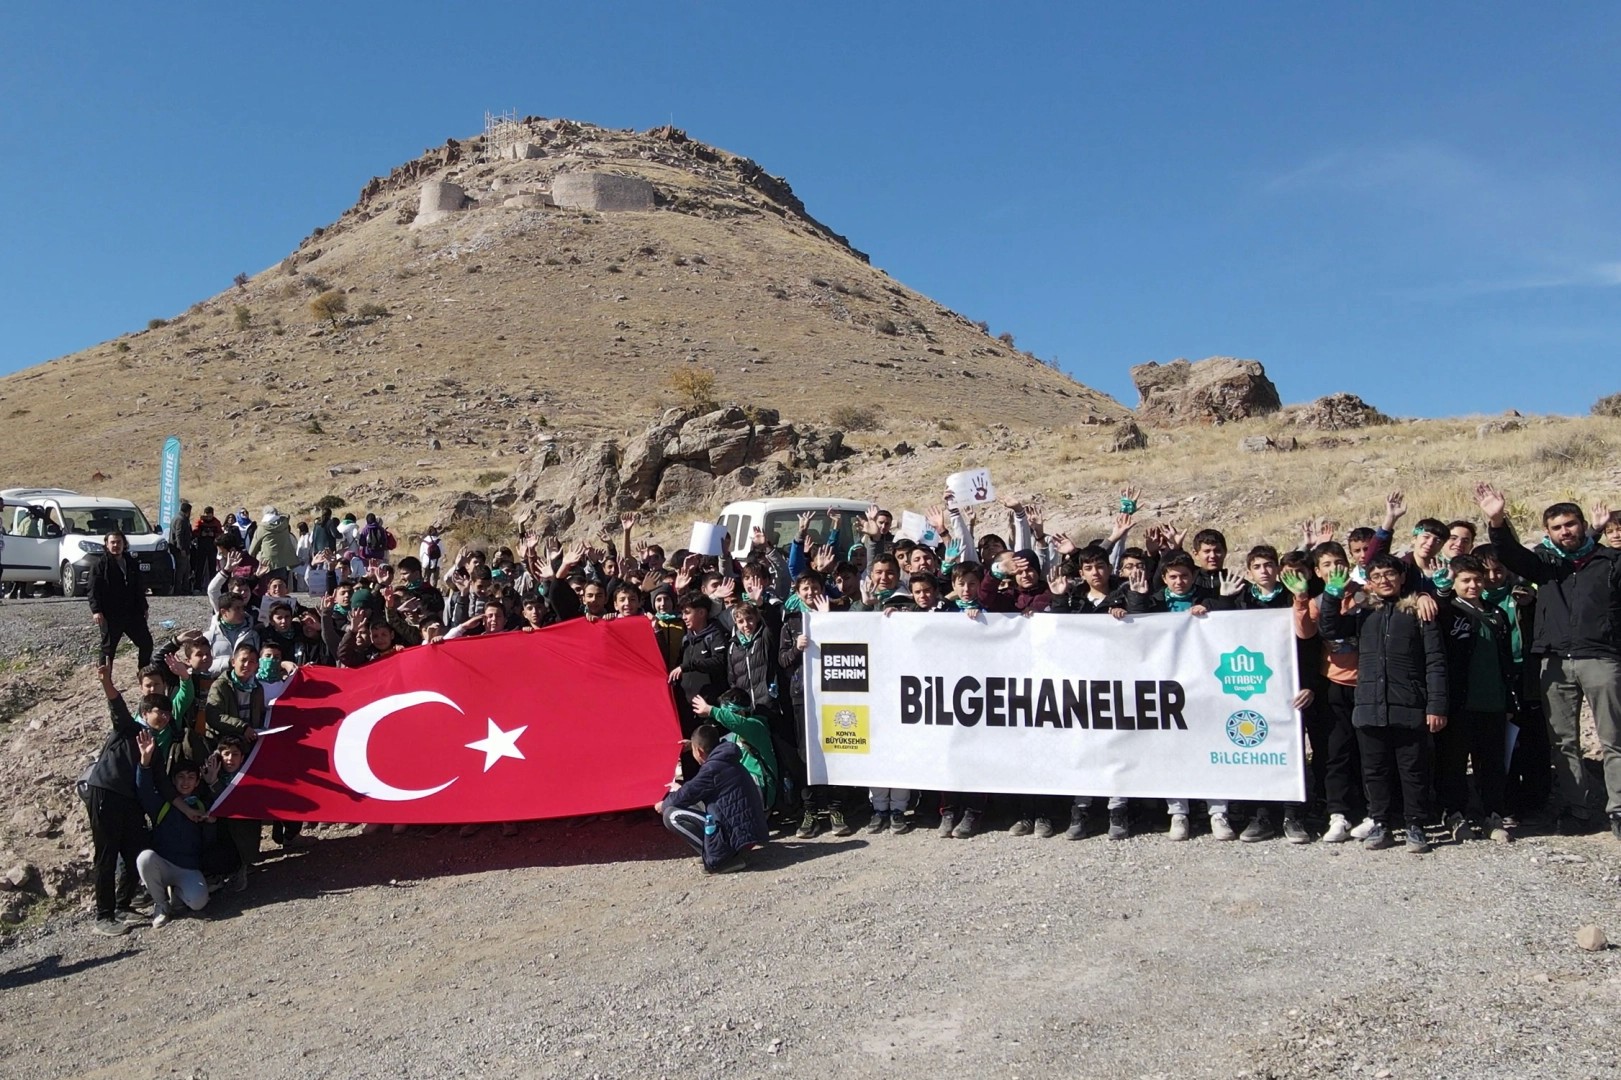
[[1336, 765], [1396, 759], [117, 828], [1471, 738], [135, 629]]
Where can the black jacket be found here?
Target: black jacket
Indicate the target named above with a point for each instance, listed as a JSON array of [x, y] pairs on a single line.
[[1578, 602], [732, 803], [1154, 601], [703, 663], [1401, 667], [114, 770], [1461, 622], [116, 591], [1077, 599], [752, 670], [790, 661]]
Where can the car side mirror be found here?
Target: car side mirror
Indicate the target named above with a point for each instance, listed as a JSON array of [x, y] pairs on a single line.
[[52, 529]]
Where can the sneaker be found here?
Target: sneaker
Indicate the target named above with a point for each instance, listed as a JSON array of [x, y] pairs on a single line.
[[1364, 829], [110, 928], [968, 826], [1221, 828], [1295, 831], [1339, 829], [131, 918], [839, 825], [1077, 823], [946, 823], [160, 920], [1044, 828], [1022, 827], [1378, 838], [1615, 826], [898, 822], [1179, 827], [1259, 828], [1497, 830], [1460, 828], [239, 880], [879, 822], [1417, 843], [732, 865], [807, 825], [1119, 823], [509, 828]]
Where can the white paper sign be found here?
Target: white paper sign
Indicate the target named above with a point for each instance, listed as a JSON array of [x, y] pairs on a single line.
[[1156, 706], [971, 487], [915, 526], [707, 538]]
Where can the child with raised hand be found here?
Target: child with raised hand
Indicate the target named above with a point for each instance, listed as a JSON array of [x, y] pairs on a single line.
[[1401, 694], [719, 812], [172, 867], [753, 738], [1336, 762], [1480, 668], [1263, 590], [117, 824]]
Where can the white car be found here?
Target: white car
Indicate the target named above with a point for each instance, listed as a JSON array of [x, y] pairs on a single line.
[[55, 535], [779, 519]]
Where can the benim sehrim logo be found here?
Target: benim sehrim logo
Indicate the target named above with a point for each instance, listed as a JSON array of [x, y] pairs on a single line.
[[1246, 728]]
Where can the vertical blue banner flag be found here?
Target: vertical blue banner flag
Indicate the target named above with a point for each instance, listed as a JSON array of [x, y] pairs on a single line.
[[168, 483]]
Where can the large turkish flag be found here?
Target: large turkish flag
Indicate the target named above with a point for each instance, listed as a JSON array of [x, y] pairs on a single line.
[[573, 719]]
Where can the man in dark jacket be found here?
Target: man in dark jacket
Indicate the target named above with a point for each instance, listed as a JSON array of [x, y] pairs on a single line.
[[1480, 673], [179, 539], [1577, 641], [118, 600], [733, 816], [117, 825], [1401, 694]]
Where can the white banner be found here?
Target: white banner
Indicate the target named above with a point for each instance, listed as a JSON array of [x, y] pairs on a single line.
[[1154, 706]]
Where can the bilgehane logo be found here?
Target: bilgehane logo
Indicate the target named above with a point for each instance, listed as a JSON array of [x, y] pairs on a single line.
[[1246, 728]]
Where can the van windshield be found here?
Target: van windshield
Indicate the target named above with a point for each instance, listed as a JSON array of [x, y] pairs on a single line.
[[101, 520], [782, 526]]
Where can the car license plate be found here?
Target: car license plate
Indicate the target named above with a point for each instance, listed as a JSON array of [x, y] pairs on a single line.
[[146, 568]]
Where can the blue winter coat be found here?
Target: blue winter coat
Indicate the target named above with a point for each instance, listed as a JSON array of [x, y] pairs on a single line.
[[734, 812]]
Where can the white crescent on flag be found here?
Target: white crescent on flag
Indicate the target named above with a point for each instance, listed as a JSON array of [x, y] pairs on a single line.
[[350, 748]]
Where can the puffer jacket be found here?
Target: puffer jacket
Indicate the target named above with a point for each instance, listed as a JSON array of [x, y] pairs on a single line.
[[753, 670], [223, 640], [274, 544], [733, 807], [1401, 662]]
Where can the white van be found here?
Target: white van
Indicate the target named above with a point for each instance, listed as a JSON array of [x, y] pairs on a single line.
[[54, 535], [780, 520]]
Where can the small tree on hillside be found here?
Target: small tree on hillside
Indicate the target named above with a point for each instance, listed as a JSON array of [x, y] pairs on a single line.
[[329, 305], [693, 386], [1608, 406]]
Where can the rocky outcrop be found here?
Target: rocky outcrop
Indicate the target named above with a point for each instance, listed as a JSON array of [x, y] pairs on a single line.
[[1128, 436], [685, 461], [1213, 391], [1336, 412]]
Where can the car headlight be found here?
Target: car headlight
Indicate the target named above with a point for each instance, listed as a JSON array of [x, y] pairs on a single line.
[[92, 547], [163, 545]]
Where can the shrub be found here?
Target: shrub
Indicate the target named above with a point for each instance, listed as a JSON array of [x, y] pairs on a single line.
[[614, 268], [330, 502], [329, 305], [854, 417], [314, 427], [983, 326], [489, 479], [1006, 338], [153, 324], [242, 317], [1608, 406], [121, 347], [240, 281], [372, 311], [693, 385], [885, 326], [315, 283]]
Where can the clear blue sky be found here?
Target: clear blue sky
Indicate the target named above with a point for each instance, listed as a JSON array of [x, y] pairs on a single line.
[[1417, 202]]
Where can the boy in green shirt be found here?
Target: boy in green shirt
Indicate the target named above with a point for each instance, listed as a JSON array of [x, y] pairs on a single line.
[[751, 735]]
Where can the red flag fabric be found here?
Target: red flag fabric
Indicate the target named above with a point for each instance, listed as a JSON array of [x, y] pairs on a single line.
[[573, 719]]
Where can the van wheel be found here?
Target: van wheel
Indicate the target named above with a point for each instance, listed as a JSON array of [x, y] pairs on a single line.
[[69, 581]]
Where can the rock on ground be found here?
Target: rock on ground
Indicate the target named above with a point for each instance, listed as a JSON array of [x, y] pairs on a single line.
[[1213, 391]]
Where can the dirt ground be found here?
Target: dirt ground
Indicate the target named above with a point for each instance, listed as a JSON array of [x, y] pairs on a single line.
[[600, 949]]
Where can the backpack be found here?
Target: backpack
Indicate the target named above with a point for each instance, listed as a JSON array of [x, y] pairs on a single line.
[[433, 549], [388, 540]]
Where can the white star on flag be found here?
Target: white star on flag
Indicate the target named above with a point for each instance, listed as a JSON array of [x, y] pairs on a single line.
[[499, 744]]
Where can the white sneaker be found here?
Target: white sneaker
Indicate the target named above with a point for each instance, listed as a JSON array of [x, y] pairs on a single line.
[[1498, 831], [1221, 828], [1179, 827], [160, 920], [1339, 829], [1362, 831]]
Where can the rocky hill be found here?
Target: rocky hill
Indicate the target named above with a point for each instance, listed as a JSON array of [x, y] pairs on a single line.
[[556, 278]]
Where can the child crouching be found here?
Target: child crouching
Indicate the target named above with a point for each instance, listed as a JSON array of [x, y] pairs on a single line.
[[732, 815]]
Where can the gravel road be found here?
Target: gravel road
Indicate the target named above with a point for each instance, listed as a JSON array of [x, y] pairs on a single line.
[[600, 950], [60, 626]]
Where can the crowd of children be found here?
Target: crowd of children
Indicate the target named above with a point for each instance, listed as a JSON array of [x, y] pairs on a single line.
[[1418, 666]]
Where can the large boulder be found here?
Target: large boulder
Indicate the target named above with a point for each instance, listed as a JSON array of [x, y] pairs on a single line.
[[1336, 412], [685, 460], [1213, 391]]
